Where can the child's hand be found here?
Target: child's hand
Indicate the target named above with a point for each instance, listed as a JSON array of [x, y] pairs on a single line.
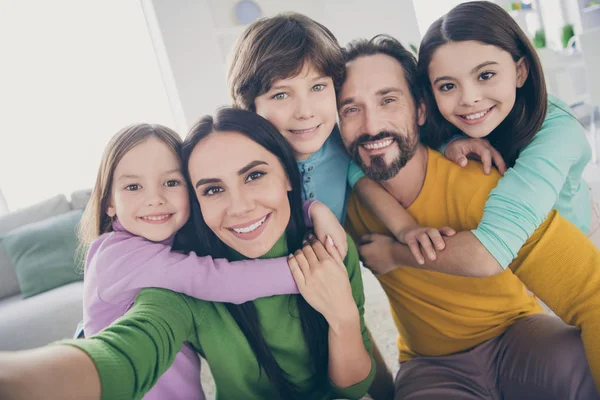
[[376, 253], [428, 239], [326, 224], [479, 149]]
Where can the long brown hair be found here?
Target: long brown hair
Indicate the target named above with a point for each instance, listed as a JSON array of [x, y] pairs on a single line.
[[487, 23], [314, 325], [278, 48], [95, 221]]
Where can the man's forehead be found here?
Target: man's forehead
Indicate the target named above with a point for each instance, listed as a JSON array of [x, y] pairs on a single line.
[[369, 75]]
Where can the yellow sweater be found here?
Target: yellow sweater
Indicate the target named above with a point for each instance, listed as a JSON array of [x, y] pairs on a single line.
[[439, 314]]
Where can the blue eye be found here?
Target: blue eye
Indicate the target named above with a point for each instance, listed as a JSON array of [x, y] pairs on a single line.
[[280, 96], [319, 87]]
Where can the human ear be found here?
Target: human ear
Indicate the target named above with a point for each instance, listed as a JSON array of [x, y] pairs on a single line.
[[421, 114], [111, 211], [522, 72]]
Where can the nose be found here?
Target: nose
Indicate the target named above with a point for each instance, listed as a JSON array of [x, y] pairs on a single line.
[[155, 196], [304, 108], [240, 203], [372, 123], [470, 95]]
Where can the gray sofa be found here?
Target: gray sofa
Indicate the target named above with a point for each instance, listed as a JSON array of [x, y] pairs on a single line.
[[45, 317]]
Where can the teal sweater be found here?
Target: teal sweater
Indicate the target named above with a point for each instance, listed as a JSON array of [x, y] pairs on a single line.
[[546, 176], [132, 354]]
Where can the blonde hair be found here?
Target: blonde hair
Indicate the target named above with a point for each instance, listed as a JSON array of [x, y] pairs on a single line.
[[95, 221], [277, 48]]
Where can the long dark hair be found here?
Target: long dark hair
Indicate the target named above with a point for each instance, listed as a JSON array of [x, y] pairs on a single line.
[[314, 325], [487, 23]]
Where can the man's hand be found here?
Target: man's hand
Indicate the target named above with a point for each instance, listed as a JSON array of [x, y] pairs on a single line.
[[460, 150], [376, 253]]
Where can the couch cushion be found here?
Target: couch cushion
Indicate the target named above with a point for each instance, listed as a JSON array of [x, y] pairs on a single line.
[[41, 319], [37, 212], [44, 253], [9, 285], [56, 205], [79, 199]]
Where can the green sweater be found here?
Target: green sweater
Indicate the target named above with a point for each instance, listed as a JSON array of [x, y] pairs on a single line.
[[132, 354]]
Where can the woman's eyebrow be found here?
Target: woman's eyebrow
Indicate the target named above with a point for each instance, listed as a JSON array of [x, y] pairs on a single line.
[[242, 171], [251, 165], [204, 181]]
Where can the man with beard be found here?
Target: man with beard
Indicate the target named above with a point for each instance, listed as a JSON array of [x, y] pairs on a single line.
[[468, 329]]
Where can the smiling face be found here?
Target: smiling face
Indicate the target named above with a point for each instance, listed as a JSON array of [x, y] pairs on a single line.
[[475, 84], [302, 108], [149, 196], [242, 190], [378, 116]]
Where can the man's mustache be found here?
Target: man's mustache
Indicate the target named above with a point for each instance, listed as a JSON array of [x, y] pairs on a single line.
[[366, 138]]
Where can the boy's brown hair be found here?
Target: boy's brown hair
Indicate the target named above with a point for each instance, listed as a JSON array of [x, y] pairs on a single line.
[[277, 48]]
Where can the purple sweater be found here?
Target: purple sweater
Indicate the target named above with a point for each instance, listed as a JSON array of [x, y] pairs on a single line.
[[120, 264]]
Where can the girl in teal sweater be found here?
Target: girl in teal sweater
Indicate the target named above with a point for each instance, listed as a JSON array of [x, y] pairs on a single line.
[[291, 347], [483, 79]]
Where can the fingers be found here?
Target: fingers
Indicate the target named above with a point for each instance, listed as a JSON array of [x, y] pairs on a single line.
[[365, 239], [333, 251], [486, 160], [342, 244], [447, 231], [425, 243], [498, 160], [308, 252], [296, 272], [319, 250], [414, 248], [436, 239]]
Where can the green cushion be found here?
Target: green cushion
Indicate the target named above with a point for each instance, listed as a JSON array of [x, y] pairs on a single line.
[[44, 253]]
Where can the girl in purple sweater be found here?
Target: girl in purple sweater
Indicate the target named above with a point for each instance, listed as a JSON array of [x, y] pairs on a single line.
[[139, 202]]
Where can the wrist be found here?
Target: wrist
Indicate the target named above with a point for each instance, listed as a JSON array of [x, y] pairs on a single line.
[[343, 322]]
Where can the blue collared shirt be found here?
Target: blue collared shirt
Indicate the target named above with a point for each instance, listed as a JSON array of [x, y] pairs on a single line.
[[324, 175]]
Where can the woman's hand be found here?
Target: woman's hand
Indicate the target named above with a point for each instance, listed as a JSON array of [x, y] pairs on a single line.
[[425, 238], [460, 150], [323, 281], [326, 224]]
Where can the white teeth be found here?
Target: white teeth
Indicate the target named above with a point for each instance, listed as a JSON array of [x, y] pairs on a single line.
[[157, 217], [252, 227], [303, 130], [377, 145], [476, 116]]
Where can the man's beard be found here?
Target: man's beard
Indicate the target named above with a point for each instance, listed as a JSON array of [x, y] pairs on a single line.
[[379, 170]]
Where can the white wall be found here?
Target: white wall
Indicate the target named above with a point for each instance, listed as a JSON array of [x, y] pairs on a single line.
[[73, 72], [197, 36]]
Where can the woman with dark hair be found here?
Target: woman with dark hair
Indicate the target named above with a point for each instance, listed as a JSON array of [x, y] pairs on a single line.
[[292, 347]]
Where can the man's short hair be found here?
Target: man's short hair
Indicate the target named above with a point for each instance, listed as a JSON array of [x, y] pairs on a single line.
[[385, 44]]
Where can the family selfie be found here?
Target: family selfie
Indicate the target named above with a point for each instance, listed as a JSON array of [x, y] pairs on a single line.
[[237, 254]]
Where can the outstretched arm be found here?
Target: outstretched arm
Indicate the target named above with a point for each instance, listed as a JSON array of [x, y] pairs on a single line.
[[52, 373], [126, 264], [124, 361]]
